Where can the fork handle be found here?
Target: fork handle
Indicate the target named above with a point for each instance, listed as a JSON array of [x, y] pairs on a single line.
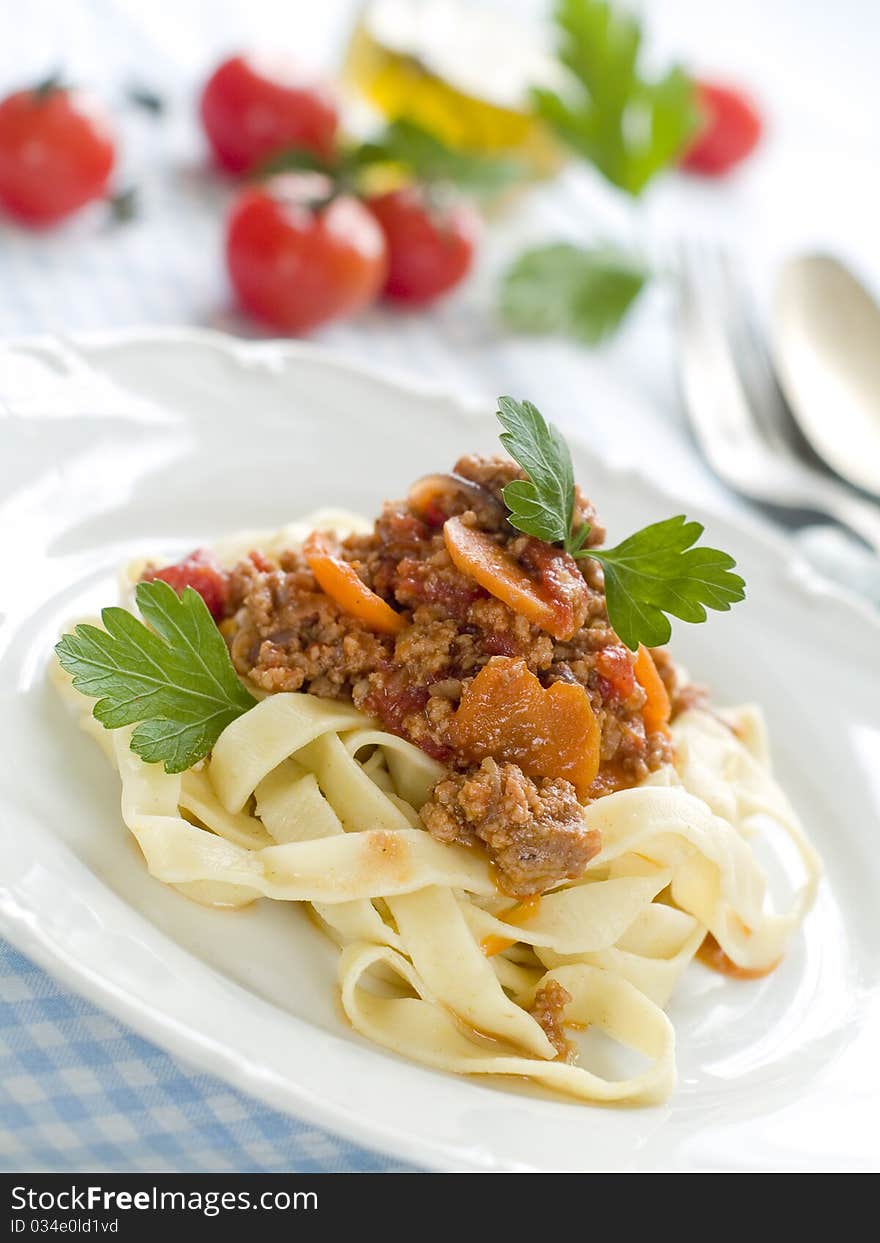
[[854, 512]]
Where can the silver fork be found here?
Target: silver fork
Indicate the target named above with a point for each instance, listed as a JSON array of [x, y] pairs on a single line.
[[736, 409]]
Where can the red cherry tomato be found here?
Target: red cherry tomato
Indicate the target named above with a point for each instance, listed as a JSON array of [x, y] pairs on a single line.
[[251, 110], [430, 247], [296, 259], [56, 155], [200, 570], [731, 130]]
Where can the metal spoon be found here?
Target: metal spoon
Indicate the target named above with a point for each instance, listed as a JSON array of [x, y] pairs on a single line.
[[826, 350]]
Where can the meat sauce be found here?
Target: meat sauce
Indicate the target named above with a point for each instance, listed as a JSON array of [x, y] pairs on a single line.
[[712, 955], [286, 633]]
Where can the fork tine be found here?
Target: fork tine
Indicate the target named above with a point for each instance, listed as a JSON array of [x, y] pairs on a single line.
[[756, 372], [737, 443], [714, 398]]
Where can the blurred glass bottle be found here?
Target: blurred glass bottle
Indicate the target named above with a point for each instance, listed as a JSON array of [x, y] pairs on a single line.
[[461, 69]]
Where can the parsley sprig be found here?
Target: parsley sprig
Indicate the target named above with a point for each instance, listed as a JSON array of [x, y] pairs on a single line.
[[628, 125], [174, 677], [579, 291], [657, 571], [543, 504], [404, 144], [429, 160], [654, 573]]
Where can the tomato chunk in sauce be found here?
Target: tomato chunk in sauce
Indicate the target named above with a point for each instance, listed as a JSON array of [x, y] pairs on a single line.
[[200, 570]]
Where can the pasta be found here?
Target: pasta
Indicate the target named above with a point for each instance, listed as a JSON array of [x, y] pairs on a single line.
[[308, 799]]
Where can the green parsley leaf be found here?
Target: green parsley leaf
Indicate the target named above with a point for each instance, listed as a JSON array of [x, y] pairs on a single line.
[[654, 572], [294, 160], [543, 504], [176, 679], [421, 154], [627, 125], [571, 290], [657, 571], [431, 161]]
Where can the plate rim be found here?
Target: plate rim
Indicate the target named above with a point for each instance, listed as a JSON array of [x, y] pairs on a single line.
[[808, 579], [182, 1041]]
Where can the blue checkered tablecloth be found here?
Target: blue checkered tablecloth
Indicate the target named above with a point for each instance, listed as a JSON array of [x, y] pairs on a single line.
[[78, 1091]]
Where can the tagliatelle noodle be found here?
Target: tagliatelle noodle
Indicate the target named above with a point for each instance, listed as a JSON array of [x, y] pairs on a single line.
[[419, 1028], [308, 800]]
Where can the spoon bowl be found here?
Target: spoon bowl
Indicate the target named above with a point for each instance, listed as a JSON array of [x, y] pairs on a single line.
[[826, 350]]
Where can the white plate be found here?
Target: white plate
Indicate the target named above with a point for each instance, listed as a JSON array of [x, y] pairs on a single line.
[[165, 440]]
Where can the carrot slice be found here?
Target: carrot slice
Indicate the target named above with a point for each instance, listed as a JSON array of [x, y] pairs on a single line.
[[341, 583], [657, 709], [477, 555], [507, 714]]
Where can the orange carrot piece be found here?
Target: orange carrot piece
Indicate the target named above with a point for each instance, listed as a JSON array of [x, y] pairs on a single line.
[[341, 583], [657, 709], [507, 714], [474, 553]]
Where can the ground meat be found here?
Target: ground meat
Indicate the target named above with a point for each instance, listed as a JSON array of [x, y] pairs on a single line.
[[682, 695], [492, 473], [495, 630], [433, 579], [426, 649], [408, 709], [286, 634], [547, 1009], [533, 830], [690, 695], [397, 535], [438, 651]]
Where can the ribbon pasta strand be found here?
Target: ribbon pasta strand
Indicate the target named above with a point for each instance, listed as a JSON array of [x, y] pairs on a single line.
[[307, 800]]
